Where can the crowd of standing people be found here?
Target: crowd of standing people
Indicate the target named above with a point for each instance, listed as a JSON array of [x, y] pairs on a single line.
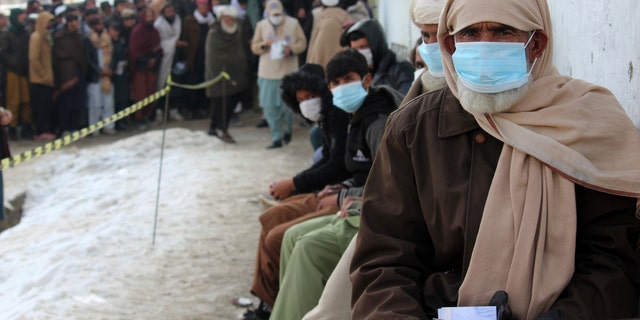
[[64, 66]]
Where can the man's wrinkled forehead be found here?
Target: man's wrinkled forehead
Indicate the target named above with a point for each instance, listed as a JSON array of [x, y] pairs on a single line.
[[522, 15]]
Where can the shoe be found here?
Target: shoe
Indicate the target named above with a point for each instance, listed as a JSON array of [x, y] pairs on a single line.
[[287, 138], [262, 312], [227, 138], [213, 133], [109, 131], [262, 124], [275, 144]]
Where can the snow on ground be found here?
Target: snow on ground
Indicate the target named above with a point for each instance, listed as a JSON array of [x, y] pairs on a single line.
[[83, 249]]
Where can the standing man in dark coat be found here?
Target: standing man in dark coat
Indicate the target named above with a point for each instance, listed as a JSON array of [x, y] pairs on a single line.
[[224, 51], [194, 33], [69, 72]]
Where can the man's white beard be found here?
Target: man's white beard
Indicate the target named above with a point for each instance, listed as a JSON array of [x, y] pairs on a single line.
[[229, 29], [431, 82], [480, 103]]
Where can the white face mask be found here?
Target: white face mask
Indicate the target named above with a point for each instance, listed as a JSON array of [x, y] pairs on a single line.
[[310, 109], [368, 55], [275, 20], [418, 73]]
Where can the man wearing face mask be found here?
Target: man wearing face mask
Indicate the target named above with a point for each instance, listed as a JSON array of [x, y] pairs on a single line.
[[350, 83], [367, 36], [224, 52], [523, 195], [313, 253], [307, 93], [278, 40]]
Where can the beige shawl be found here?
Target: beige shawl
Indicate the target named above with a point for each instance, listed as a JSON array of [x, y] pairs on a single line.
[[564, 131], [103, 41]]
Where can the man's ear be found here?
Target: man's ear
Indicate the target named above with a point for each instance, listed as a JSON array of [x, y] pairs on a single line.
[[449, 43], [366, 81], [538, 44]]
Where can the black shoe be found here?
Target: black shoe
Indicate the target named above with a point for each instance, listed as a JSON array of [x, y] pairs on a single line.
[[262, 312], [287, 138], [262, 124], [275, 144], [213, 133]]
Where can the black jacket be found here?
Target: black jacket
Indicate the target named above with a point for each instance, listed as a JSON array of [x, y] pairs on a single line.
[[387, 70], [331, 168], [93, 67], [14, 52], [365, 132]]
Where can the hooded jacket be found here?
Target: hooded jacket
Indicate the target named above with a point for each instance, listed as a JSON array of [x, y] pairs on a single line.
[[40, 62], [387, 70], [14, 46], [365, 132], [331, 169]]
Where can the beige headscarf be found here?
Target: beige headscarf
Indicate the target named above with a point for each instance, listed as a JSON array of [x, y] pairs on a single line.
[[425, 11], [563, 131]]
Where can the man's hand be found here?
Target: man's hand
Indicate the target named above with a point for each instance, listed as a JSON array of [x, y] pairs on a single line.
[[330, 201], [181, 44], [287, 52], [69, 84], [500, 300], [329, 190], [281, 189], [152, 63], [5, 116], [343, 213]]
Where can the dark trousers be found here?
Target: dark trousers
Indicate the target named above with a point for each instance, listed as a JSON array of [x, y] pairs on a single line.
[[42, 106], [223, 110]]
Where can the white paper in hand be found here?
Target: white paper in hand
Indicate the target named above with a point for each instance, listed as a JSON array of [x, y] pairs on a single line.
[[467, 313], [277, 51]]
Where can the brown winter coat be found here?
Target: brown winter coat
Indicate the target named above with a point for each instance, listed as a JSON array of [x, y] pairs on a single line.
[[40, 63], [191, 34], [325, 36], [423, 203], [68, 54]]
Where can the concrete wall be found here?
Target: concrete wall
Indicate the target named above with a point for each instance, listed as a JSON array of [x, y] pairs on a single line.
[[594, 40]]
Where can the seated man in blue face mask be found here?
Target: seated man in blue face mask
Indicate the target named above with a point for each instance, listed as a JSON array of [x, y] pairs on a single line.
[[521, 195], [350, 83]]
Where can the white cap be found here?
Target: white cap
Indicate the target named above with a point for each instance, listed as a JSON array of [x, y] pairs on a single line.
[[330, 3], [60, 10]]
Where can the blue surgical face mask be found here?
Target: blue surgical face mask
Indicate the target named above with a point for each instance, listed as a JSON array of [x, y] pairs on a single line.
[[349, 97], [491, 67], [430, 54]]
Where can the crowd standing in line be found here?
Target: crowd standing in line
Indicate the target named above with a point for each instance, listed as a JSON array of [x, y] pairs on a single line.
[[435, 182]]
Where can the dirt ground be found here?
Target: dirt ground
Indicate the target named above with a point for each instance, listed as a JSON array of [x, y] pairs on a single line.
[[238, 241]]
